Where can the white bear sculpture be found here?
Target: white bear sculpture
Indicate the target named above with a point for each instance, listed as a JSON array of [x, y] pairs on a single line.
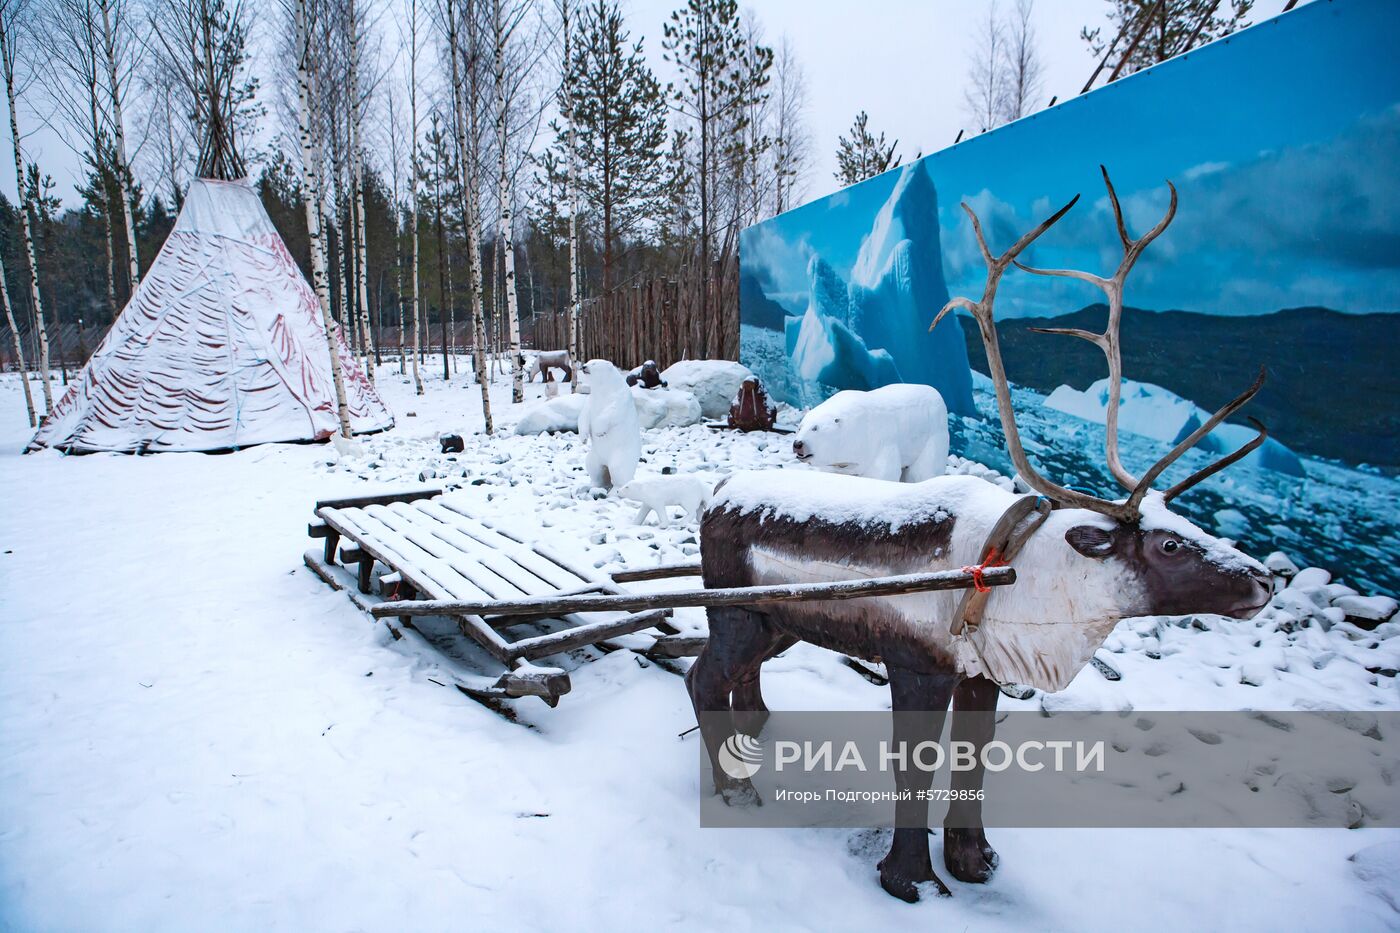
[[658, 493], [897, 432], [609, 421]]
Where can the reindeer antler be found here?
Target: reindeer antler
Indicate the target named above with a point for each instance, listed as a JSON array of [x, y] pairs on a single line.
[[1108, 342]]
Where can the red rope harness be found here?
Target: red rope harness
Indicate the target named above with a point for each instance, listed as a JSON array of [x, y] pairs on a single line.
[[993, 559]]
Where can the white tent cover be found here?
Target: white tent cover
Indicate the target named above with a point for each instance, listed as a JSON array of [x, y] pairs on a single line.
[[221, 347]]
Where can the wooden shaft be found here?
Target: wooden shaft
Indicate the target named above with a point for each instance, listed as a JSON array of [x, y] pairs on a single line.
[[734, 596], [542, 646], [657, 573]]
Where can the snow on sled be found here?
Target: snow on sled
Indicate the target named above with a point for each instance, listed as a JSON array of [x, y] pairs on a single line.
[[442, 561]]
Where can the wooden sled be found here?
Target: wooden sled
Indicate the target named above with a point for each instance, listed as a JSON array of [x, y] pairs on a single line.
[[439, 560], [420, 545]]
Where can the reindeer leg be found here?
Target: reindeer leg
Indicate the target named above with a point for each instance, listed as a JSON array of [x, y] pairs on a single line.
[[737, 643], [750, 712], [908, 862], [965, 850]]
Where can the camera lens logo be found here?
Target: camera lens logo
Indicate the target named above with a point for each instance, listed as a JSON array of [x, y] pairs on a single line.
[[741, 756]]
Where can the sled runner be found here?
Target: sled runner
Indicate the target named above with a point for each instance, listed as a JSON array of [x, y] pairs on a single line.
[[439, 560]]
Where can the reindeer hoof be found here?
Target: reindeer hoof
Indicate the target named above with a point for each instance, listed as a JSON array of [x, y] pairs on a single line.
[[739, 794], [907, 871], [968, 856], [911, 890]]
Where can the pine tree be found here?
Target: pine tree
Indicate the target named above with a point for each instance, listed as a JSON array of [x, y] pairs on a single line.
[[619, 111], [1152, 31], [863, 155]]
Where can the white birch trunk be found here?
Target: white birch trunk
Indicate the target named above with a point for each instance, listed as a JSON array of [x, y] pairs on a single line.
[[109, 44], [19, 346], [571, 197], [507, 215], [310, 179], [26, 226], [367, 339], [413, 185], [470, 215]]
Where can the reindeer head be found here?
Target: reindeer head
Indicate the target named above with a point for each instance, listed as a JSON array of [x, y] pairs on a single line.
[[1170, 565]]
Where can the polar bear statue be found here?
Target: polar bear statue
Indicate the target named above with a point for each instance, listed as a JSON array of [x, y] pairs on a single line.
[[609, 421], [897, 432], [657, 494]]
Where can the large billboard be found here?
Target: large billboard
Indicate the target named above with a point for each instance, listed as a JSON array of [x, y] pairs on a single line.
[[1284, 144]]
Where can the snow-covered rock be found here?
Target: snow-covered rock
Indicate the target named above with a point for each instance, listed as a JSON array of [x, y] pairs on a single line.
[[655, 408], [712, 382], [1151, 411], [1311, 578], [556, 414], [665, 408], [1281, 565], [1367, 611]]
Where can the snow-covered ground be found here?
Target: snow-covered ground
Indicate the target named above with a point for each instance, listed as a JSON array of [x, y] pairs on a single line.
[[195, 732]]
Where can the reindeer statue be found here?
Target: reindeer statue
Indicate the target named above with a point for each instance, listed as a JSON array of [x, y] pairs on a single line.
[[1083, 563]]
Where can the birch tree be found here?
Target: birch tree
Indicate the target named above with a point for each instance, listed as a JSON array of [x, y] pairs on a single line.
[[73, 77], [792, 140], [356, 99], [310, 179], [985, 88], [1021, 64], [12, 22], [504, 24], [571, 186], [19, 345], [470, 218], [415, 175], [113, 21]]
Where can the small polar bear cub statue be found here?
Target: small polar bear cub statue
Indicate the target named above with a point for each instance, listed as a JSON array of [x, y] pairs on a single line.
[[659, 493], [897, 432], [609, 421]]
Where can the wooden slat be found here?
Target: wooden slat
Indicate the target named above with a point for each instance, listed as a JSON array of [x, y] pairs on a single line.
[[558, 642], [733, 596], [664, 571], [469, 566], [383, 498], [444, 524], [535, 559], [426, 572]]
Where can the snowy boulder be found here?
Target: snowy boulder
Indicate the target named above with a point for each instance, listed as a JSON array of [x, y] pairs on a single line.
[[712, 382], [1312, 578], [1367, 611], [898, 432], [553, 416], [1281, 565], [657, 408], [1151, 411]]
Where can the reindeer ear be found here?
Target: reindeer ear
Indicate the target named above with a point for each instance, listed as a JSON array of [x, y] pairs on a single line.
[[1090, 540]]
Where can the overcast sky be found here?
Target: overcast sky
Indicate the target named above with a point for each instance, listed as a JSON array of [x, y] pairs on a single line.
[[902, 61]]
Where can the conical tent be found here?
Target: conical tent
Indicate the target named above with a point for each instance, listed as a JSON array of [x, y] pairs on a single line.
[[220, 347]]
